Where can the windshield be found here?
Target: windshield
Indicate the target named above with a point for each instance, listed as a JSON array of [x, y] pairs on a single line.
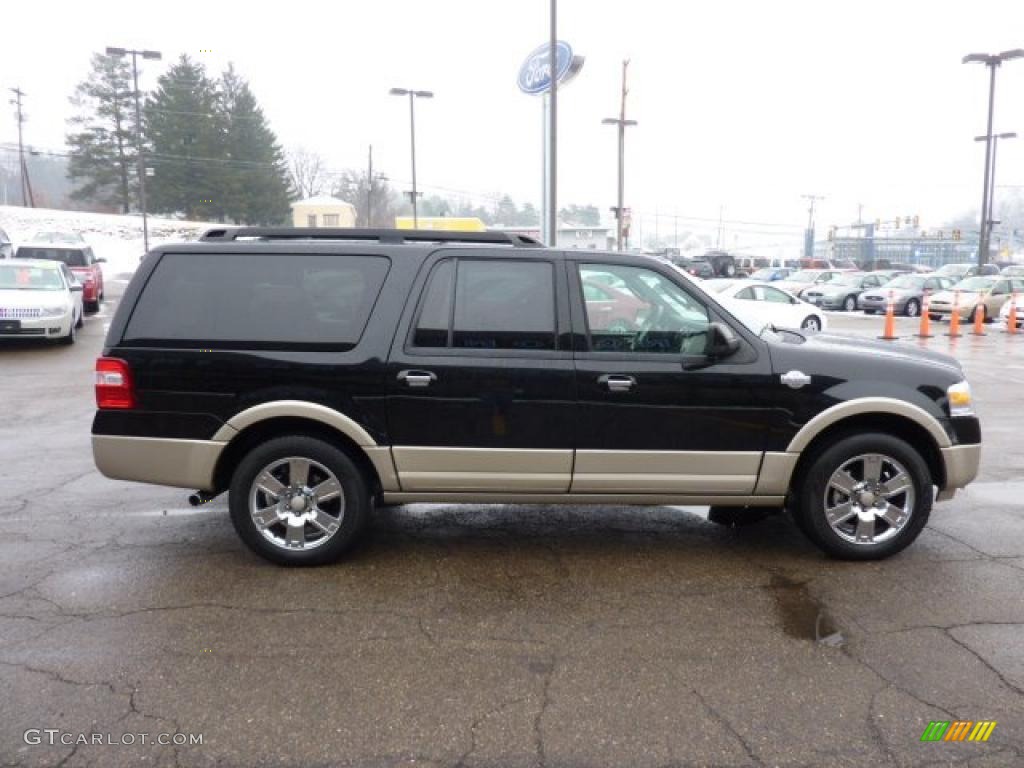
[[907, 281], [763, 274], [953, 269], [846, 280], [803, 276], [975, 283], [70, 256], [22, 278]]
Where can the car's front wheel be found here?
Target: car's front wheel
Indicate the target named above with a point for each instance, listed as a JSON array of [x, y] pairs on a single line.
[[298, 501], [865, 497], [72, 334], [850, 303], [811, 323], [912, 308]]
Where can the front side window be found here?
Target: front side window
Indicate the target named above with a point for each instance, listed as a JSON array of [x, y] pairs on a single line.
[[257, 301], [498, 304], [775, 295], [647, 313]]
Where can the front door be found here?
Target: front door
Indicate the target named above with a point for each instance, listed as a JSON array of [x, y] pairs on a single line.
[[480, 382], [655, 414]]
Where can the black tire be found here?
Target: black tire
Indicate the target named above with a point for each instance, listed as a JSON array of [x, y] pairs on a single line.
[[869, 311], [810, 497], [72, 336], [912, 308], [934, 317], [92, 306], [737, 517], [984, 314], [811, 323], [81, 320], [351, 520], [850, 304]]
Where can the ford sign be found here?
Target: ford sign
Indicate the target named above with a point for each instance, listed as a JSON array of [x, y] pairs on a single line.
[[535, 74]]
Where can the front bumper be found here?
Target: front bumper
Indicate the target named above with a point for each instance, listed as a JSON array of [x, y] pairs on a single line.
[[36, 328], [946, 310], [961, 463]]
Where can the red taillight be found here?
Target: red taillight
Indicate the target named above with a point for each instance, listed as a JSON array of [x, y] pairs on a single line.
[[114, 385]]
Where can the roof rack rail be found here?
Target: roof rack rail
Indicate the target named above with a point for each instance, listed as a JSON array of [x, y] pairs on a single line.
[[388, 236]]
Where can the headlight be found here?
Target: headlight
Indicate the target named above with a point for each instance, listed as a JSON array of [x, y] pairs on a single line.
[[960, 403], [58, 311]]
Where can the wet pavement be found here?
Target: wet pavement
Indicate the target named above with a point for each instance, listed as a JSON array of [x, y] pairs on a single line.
[[497, 635]]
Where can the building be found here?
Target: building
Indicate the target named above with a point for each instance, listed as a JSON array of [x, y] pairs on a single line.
[[323, 211], [571, 235]]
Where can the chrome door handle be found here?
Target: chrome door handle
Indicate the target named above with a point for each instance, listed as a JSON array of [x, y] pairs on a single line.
[[795, 379], [417, 378], [617, 382]]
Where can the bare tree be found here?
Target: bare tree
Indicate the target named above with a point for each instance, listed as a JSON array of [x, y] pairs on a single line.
[[354, 187], [307, 173]]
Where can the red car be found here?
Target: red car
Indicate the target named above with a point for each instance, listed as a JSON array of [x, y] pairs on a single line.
[[82, 262], [611, 309]]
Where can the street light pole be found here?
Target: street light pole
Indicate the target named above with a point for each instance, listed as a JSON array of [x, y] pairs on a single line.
[[992, 176], [809, 233], [413, 95], [992, 61], [622, 123], [155, 56]]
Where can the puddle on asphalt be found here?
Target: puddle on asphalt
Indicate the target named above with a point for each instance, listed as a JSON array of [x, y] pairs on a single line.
[[802, 616]]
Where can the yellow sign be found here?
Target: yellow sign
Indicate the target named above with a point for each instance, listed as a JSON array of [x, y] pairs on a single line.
[[445, 223]]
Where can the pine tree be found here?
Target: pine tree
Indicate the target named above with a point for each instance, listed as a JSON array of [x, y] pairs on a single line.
[[101, 135], [255, 188], [186, 134]]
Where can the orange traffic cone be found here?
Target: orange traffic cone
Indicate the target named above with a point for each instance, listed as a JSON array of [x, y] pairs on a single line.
[[1011, 319], [954, 317], [889, 334], [925, 331], [979, 320]]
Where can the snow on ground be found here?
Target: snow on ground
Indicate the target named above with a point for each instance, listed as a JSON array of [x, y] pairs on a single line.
[[115, 237]]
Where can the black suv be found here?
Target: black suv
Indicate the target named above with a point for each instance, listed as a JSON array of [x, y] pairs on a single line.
[[312, 373]]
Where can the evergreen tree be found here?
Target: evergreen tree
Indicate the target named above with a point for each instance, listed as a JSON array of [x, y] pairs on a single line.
[[255, 181], [186, 133], [528, 216], [506, 212], [101, 135]]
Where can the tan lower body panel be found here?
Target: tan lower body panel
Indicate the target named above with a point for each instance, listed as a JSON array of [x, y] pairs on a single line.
[[483, 469], [162, 461], [644, 499], [666, 472], [776, 472], [385, 466], [961, 463]]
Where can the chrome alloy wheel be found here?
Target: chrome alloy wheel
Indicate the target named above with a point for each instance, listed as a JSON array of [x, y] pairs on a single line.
[[869, 499], [296, 503]]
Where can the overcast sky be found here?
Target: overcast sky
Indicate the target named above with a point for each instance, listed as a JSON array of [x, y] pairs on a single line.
[[744, 105]]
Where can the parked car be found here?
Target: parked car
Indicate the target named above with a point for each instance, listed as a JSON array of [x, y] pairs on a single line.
[[767, 304], [723, 264], [612, 309], [1004, 313], [841, 292], [1013, 270], [960, 271], [847, 265], [39, 299], [6, 248], [747, 265], [695, 267], [82, 262], [987, 291], [800, 281], [907, 293], [884, 265], [476, 374], [771, 274]]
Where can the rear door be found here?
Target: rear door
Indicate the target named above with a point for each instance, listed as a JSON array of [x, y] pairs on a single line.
[[480, 378], [655, 415]]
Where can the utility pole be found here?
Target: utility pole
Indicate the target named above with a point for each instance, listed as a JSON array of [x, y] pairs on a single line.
[[553, 129], [369, 190], [26, 185], [622, 124], [809, 232]]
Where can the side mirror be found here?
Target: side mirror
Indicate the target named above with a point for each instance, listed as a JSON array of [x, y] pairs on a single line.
[[722, 341], [100, 260]]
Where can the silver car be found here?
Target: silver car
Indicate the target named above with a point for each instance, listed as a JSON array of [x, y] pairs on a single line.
[[907, 293], [841, 292]]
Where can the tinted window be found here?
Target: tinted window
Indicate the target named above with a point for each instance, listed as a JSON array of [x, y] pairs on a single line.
[[502, 304], [73, 257], [436, 311], [746, 293], [257, 301], [775, 295]]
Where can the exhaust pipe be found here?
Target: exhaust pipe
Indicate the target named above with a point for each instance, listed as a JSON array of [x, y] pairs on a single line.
[[201, 497]]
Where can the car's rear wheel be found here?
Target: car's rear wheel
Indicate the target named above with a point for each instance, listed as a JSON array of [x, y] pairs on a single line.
[[298, 501], [865, 497], [850, 303], [913, 308], [811, 323]]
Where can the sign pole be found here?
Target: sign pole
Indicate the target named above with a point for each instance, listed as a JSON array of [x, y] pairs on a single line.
[[552, 142]]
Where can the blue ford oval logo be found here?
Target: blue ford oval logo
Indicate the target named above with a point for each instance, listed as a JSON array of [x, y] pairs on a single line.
[[535, 74]]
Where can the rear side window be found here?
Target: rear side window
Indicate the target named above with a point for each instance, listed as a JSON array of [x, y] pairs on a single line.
[[498, 304], [73, 257], [257, 301]]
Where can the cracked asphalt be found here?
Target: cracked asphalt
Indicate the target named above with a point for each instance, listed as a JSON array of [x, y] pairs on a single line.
[[496, 635]]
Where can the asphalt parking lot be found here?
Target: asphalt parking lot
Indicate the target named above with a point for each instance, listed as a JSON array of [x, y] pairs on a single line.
[[501, 635]]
